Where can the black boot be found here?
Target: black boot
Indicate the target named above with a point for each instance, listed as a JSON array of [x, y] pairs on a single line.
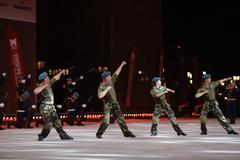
[[232, 132], [66, 137], [129, 134], [154, 130], [203, 129], [181, 133], [43, 134], [125, 131], [41, 137], [101, 130], [179, 130]]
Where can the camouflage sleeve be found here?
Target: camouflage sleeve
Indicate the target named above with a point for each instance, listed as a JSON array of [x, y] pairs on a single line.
[[154, 92], [100, 89], [200, 90], [52, 81], [114, 78], [216, 83], [164, 89]]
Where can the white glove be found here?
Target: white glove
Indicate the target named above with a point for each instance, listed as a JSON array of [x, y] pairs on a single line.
[[124, 63], [29, 76], [59, 106], [84, 105], [1, 105], [74, 83], [4, 74], [81, 77], [33, 106]]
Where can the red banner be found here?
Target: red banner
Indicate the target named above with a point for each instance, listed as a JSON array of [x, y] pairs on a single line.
[[132, 63], [15, 62]]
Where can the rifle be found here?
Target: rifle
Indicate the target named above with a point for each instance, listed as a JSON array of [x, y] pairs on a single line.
[[82, 76]]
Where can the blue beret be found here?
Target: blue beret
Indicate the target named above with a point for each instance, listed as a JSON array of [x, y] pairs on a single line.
[[206, 76], [69, 79], [42, 76], [155, 79], [105, 74]]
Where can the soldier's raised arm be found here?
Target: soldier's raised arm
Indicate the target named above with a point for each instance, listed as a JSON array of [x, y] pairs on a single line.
[[200, 93], [225, 79], [117, 72], [57, 76], [39, 89]]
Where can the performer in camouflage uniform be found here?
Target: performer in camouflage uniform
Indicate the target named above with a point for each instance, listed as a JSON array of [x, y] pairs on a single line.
[[47, 108], [161, 106], [211, 104], [106, 92]]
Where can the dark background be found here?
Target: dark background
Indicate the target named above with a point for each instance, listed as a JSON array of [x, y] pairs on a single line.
[[206, 30], [92, 33]]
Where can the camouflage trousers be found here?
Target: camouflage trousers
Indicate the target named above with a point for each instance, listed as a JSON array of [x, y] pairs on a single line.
[[106, 120], [214, 108], [51, 119], [163, 108]]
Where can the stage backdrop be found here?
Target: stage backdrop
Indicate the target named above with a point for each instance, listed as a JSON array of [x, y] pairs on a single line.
[[17, 47]]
